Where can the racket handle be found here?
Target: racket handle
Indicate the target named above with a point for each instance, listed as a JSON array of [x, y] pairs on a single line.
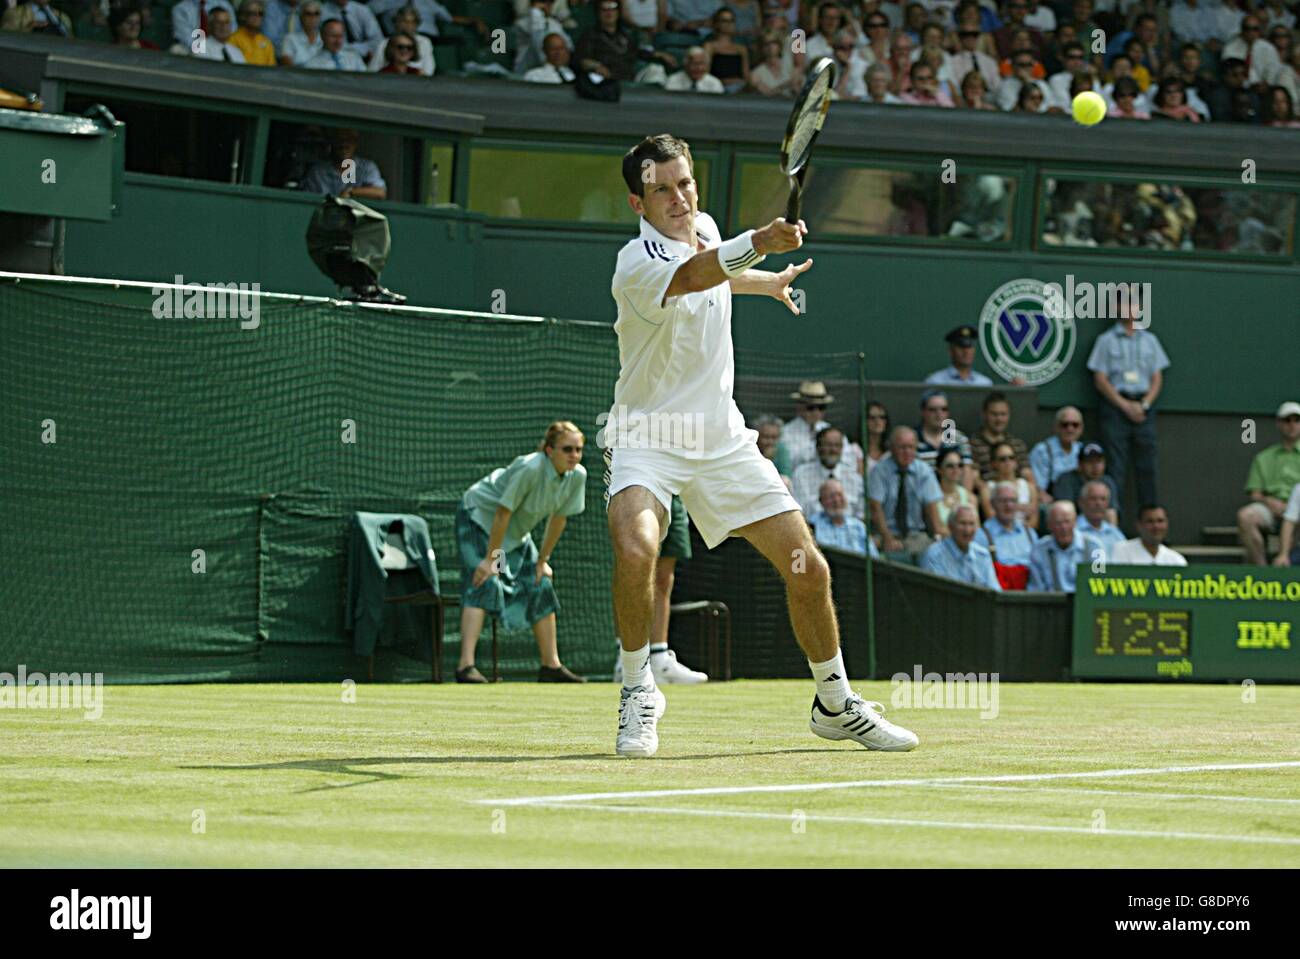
[[795, 204]]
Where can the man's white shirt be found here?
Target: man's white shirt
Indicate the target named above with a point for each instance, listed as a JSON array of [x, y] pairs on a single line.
[[1131, 552], [676, 363], [681, 81], [808, 479], [214, 49], [1264, 61], [549, 73]]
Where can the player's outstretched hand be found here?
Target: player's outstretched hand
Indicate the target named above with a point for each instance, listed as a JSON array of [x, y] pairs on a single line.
[[782, 281], [779, 236]]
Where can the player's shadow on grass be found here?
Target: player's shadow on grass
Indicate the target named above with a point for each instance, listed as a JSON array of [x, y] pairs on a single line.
[[347, 767]]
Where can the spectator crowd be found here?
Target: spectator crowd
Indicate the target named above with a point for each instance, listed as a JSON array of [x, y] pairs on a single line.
[[1192, 61], [992, 510]]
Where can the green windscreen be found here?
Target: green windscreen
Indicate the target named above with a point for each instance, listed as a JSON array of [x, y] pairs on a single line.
[[133, 437]]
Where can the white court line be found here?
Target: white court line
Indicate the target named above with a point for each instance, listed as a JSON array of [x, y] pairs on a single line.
[[1209, 797], [876, 784], [934, 824]]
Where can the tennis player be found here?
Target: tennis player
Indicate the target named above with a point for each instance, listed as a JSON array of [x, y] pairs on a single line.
[[675, 430], [502, 572]]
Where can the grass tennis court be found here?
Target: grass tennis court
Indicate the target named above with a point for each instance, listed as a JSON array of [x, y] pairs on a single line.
[[290, 775]]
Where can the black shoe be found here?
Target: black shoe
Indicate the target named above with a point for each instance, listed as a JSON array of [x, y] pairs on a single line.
[[470, 674], [558, 674]]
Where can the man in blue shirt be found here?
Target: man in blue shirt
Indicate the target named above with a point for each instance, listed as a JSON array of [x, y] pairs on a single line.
[[833, 526], [337, 177], [1059, 454], [1054, 560], [1003, 534], [1095, 500], [904, 495], [958, 556], [1128, 369], [961, 350]]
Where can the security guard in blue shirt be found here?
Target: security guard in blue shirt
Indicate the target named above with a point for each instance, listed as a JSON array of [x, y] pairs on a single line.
[[961, 348], [1128, 369]]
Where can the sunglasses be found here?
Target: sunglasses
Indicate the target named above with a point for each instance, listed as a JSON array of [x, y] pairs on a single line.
[[815, 406], [951, 466], [1004, 459], [1071, 424]]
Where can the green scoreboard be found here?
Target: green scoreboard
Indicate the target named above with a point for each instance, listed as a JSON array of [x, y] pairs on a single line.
[[1187, 622]]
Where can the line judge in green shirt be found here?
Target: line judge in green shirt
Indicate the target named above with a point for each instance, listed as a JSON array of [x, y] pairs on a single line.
[[502, 572]]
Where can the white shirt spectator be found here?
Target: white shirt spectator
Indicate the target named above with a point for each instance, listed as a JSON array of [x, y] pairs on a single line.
[[548, 73], [962, 63], [818, 46], [345, 60], [300, 50], [1043, 19], [1131, 552], [214, 49], [1059, 84], [530, 31], [1260, 55], [185, 19], [763, 77], [808, 480], [559, 9], [1273, 16], [1141, 103], [423, 49], [857, 85], [800, 441], [644, 13], [1196, 24], [1009, 92], [681, 81]]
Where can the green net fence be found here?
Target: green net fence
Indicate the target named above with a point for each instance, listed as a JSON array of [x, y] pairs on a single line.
[[131, 441]]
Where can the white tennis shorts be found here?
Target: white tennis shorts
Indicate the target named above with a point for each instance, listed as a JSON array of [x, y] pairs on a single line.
[[721, 495]]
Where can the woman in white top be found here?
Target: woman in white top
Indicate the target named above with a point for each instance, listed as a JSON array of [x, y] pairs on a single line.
[[298, 48], [950, 474], [1006, 469], [774, 77], [407, 20]]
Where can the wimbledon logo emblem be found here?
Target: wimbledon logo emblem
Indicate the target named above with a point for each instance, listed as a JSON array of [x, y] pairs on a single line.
[[1018, 336]]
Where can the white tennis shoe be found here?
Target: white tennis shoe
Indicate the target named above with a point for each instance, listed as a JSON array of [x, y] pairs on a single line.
[[639, 710], [669, 671], [861, 722]]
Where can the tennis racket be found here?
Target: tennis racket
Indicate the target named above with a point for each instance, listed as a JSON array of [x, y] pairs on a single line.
[[806, 121]]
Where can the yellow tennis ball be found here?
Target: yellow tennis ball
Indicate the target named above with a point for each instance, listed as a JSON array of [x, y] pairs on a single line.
[[1088, 108]]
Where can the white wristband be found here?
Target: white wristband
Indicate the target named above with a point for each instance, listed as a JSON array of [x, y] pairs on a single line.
[[737, 255]]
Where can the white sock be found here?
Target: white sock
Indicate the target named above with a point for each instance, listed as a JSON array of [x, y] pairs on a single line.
[[636, 668], [658, 649], [832, 683]]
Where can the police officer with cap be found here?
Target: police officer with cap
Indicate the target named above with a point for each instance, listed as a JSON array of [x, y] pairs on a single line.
[[961, 349]]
